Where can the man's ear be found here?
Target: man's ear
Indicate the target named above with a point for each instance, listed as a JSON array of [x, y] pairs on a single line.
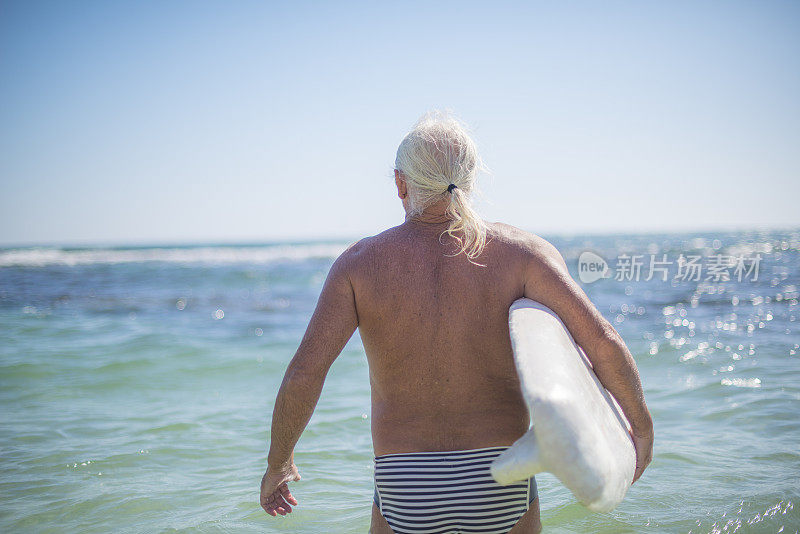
[[400, 182]]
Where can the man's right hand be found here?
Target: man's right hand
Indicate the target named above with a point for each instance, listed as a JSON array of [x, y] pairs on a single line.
[[644, 453], [275, 495]]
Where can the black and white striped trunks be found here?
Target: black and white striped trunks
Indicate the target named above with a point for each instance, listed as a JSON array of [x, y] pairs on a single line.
[[448, 492]]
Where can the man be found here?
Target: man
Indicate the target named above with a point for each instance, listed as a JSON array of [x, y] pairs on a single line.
[[430, 298]]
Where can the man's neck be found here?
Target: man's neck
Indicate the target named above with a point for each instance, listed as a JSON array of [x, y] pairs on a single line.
[[429, 219]]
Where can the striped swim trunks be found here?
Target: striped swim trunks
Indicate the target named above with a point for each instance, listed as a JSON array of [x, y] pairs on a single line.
[[448, 492]]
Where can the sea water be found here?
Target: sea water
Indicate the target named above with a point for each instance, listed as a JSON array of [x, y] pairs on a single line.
[[137, 383]]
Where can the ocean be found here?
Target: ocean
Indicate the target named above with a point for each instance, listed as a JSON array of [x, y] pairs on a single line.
[[137, 383]]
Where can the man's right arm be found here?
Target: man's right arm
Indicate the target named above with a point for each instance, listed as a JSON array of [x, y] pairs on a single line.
[[547, 281]]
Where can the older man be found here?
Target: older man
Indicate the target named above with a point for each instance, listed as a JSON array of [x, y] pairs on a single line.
[[430, 298]]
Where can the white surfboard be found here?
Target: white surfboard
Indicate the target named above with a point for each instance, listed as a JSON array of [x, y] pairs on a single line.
[[579, 432]]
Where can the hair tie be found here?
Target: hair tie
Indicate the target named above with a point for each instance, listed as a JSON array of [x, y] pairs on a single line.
[[451, 187]]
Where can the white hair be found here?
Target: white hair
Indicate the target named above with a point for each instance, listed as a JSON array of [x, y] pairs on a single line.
[[438, 152]]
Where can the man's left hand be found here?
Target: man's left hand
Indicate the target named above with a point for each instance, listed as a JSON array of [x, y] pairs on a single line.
[[275, 496]]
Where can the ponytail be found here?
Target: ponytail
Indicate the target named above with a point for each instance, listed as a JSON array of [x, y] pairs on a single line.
[[466, 221]]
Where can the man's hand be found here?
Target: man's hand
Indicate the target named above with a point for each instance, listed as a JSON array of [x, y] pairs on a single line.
[[275, 496], [644, 453]]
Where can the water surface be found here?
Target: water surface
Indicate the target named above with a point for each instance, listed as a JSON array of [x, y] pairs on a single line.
[[137, 385]]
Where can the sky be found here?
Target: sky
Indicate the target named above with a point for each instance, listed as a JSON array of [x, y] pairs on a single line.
[[211, 122]]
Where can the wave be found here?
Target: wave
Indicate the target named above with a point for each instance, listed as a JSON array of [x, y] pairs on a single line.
[[213, 255]]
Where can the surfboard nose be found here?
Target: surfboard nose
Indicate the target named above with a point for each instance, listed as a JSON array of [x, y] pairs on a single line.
[[518, 462]]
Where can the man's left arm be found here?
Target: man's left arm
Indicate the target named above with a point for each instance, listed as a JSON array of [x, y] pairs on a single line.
[[331, 326]]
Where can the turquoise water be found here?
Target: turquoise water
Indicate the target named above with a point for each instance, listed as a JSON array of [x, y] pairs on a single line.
[[136, 386]]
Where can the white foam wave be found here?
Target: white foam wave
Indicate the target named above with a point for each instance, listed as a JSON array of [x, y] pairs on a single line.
[[742, 382], [40, 257]]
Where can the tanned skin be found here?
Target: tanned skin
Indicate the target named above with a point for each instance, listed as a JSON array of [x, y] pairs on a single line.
[[435, 331]]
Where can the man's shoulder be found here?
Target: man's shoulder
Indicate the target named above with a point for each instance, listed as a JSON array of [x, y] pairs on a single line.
[[352, 254], [358, 252], [366, 245], [539, 255], [525, 242]]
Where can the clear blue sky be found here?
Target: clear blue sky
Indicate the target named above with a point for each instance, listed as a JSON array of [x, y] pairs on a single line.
[[126, 122]]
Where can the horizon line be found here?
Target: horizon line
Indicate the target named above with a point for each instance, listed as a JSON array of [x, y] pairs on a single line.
[[241, 241]]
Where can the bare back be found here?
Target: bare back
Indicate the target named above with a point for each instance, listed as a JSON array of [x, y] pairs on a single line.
[[435, 330]]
